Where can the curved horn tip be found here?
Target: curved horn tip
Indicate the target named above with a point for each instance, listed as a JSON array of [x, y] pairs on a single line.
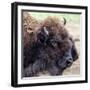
[[64, 20], [45, 30]]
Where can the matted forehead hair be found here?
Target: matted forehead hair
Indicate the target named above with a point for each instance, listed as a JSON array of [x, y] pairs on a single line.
[[55, 25]]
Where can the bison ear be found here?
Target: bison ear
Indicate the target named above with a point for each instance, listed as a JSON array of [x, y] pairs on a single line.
[[43, 35]]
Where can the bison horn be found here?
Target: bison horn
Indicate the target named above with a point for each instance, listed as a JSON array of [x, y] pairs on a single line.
[[64, 21], [46, 31]]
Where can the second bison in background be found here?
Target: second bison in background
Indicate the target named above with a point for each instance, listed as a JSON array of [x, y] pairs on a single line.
[[52, 49]]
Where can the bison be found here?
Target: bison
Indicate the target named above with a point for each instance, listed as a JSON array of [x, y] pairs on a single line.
[[51, 49]]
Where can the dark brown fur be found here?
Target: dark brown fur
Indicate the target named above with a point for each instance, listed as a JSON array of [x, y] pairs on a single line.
[[47, 50]]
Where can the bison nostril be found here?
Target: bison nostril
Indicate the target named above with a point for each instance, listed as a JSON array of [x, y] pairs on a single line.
[[69, 62]]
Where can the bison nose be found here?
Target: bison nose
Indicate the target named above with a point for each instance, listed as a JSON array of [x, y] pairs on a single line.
[[69, 61]]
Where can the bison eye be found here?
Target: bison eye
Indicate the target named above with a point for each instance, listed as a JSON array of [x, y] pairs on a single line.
[[53, 43], [41, 37]]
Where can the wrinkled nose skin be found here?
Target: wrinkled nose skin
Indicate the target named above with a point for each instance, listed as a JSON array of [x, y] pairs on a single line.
[[68, 57], [66, 60], [62, 63], [69, 61]]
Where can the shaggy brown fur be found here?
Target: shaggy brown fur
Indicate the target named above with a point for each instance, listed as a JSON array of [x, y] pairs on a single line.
[[48, 48], [29, 26], [57, 30], [29, 22]]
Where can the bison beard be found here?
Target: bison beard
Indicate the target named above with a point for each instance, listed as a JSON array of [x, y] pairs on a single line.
[[53, 50]]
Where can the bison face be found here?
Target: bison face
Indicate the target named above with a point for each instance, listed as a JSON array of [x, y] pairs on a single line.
[[52, 41], [68, 58]]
